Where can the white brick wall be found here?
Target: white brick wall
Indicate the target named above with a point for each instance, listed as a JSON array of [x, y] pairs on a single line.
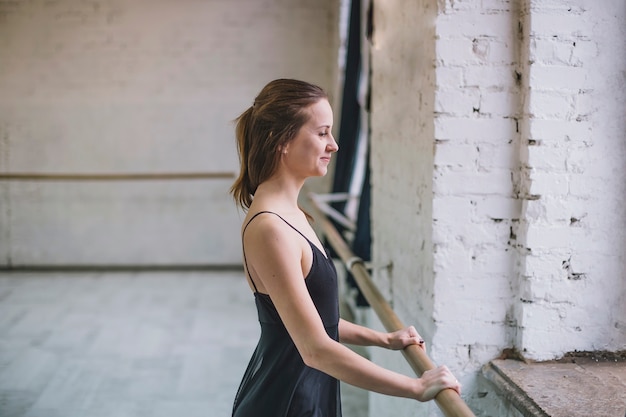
[[475, 258], [139, 86], [522, 106], [576, 229]]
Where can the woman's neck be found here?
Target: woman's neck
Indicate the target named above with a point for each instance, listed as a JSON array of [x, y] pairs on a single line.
[[279, 192]]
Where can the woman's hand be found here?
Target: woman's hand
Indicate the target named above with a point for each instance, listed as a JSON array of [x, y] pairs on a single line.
[[400, 339], [435, 380]]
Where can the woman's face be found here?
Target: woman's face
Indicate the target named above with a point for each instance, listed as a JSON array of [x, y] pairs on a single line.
[[309, 153]]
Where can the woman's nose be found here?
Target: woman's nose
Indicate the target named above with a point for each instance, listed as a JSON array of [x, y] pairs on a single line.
[[333, 146]]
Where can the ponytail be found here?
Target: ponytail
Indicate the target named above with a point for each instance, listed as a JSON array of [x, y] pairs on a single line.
[[242, 189]]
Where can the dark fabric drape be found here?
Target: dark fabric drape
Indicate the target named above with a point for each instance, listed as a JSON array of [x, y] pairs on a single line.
[[349, 131], [362, 244], [362, 239], [350, 109]]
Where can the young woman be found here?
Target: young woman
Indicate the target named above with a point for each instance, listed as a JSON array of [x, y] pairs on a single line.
[[284, 138]]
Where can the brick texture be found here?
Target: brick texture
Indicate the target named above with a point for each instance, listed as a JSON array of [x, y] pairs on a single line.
[[511, 230]]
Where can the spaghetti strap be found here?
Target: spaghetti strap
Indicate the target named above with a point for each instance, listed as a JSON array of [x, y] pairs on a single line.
[[244, 250]]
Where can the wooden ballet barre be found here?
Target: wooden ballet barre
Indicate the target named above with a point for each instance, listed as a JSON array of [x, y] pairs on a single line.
[[159, 176], [450, 403]]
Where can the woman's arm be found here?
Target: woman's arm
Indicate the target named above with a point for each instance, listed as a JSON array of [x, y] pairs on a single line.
[[362, 336], [275, 254]]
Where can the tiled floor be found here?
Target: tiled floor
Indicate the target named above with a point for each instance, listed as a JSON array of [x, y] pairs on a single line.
[[127, 344]]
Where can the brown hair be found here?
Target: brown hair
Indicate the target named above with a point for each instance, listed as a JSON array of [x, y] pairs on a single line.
[[278, 113]]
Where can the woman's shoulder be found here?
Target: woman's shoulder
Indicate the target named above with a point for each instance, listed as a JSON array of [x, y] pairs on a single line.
[[264, 223], [267, 235]]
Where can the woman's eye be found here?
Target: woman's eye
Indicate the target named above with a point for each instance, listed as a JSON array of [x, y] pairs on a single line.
[[324, 134]]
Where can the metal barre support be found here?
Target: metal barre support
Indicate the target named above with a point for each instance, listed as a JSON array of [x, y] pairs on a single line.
[[450, 403]]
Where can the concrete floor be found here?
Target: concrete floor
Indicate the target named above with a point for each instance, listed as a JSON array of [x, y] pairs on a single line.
[[127, 344]]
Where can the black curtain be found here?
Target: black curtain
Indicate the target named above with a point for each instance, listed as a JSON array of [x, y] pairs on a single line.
[[361, 246], [349, 131], [350, 109]]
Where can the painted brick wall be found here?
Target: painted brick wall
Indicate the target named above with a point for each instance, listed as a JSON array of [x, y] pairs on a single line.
[[476, 209], [573, 282], [498, 141], [139, 86]]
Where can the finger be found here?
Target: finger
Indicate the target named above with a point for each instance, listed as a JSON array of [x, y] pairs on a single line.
[[457, 387], [419, 336], [415, 336], [415, 341]]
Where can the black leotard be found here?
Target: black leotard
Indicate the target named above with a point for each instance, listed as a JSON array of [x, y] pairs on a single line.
[[277, 383]]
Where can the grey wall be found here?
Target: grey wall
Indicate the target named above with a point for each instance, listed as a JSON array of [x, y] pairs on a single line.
[[139, 87]]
